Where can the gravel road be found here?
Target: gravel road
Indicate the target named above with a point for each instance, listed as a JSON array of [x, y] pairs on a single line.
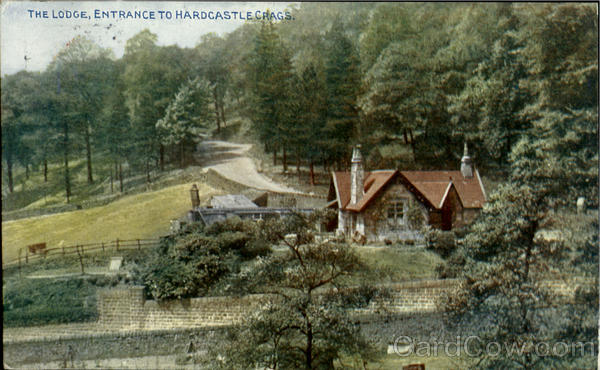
[[230, 161]]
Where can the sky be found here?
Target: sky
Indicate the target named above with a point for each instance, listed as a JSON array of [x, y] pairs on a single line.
[[30, 40]]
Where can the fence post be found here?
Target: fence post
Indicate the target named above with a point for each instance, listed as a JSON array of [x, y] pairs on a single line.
[[117, 242], [26, 255], [80, 258], [139, 246], [20, 251]]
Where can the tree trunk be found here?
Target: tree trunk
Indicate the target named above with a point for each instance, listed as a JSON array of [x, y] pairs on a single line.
[[222, 113], [147, 171], [405, 137], [112, 175], [181, 161], [309, 343], [120, 177], [45, 170], [26, 171], [274, 157], [284, 160], [217, 115], [312, 173], [162, 157], [298, 164], [88, 153], [412, 142], [9, 169], [66, 159]]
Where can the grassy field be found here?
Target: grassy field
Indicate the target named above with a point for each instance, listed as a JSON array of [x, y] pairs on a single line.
[[144, 215], [394, 264]]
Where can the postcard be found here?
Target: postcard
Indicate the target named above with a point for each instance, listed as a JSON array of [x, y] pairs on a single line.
[[299, 185]]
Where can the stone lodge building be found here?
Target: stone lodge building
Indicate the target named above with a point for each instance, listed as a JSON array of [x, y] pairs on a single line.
[[392, 204]]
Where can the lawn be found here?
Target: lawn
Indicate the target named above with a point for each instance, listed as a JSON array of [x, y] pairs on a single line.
[[399, 263], [144, 215]]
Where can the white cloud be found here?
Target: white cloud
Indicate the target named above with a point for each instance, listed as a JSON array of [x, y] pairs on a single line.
[[29, 42]]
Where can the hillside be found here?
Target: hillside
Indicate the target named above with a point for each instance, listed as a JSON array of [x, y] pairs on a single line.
[[144, 215]]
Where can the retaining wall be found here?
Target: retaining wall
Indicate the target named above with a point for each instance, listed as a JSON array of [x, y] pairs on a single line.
[[127, 309]]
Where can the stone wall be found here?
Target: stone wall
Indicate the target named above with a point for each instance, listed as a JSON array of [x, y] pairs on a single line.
[[127, 309], [109, 345]]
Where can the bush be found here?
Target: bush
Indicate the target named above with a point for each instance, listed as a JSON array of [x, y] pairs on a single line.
[[197, 260], [30, 302], [452, 267], [441, 242]]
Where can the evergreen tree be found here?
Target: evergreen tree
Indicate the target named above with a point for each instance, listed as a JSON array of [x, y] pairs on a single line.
[[554, 161], [342, 81], [186, 116], [270, 77]]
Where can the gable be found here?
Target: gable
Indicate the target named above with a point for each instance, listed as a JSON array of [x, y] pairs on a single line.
[[432, 184], [373, 183]]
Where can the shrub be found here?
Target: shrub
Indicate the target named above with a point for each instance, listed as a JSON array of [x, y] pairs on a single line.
[[31, 302], [452, 267], [441, 242]]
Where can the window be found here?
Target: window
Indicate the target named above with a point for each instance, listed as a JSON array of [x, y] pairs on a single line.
[[396, 211]]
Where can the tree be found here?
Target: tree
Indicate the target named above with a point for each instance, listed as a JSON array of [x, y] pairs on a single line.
[[487, 111], [83, 68], [554, 161], [269, 76], [186, 116], [214, 67], [308, 138], [115, 129], [342, 80], [305, 322], [152, 76], [17, 102]]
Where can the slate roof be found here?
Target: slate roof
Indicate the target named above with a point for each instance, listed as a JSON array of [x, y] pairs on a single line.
[[231, 201]]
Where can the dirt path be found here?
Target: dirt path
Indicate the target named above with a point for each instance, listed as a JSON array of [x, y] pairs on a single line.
[[230, 161]]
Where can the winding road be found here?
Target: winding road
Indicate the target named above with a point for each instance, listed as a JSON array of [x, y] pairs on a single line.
[[230, 161]]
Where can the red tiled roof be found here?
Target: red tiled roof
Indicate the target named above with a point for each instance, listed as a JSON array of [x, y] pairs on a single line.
[[429, 183], [434, 191], [374, 182]]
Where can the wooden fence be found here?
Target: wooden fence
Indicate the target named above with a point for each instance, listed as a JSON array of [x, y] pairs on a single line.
[[25, 256]]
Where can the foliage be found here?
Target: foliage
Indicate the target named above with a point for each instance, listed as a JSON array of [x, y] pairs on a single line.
[[305, 321], [441, 242], [186, 115], [554, 161], [342, 83], [192, 262], [32, 302]]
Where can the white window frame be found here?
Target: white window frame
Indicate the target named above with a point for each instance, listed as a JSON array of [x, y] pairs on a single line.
[[398, 216]]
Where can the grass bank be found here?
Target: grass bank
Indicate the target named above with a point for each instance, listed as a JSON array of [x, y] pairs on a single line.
[[144, 215]]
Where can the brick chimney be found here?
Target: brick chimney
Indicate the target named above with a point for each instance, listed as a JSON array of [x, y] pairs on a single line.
[[195, 196], [466, 165], [357, 177]]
